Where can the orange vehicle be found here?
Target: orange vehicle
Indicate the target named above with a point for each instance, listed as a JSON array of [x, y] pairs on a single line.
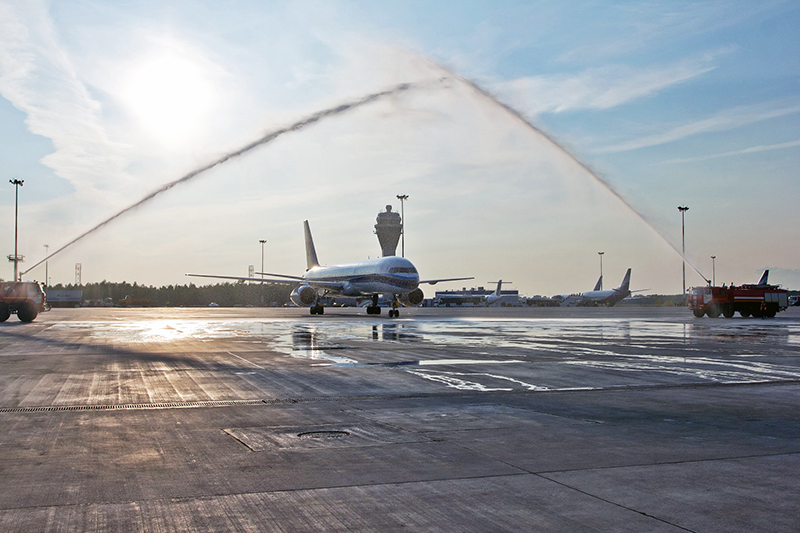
[[25, 298], [758, 300]]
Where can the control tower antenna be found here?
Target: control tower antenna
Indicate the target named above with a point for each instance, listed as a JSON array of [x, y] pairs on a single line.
[[388, 230]]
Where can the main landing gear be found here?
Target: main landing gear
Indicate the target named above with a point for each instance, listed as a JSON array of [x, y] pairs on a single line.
[[375, 309], [317, 309]]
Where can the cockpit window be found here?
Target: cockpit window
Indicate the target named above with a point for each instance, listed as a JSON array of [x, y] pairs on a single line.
[[407, 270]]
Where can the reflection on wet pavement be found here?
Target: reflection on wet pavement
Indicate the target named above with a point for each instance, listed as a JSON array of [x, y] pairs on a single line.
[[500, 354]]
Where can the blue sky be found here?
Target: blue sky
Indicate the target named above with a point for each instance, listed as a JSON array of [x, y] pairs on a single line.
[[667, 103]]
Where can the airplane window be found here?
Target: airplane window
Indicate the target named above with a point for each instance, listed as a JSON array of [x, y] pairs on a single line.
[[407, 270]]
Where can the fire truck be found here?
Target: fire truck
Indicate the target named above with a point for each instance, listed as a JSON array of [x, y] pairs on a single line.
[[758, 300], [25, 298]]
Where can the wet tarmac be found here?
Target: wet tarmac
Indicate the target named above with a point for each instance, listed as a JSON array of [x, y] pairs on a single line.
[[621, 419]]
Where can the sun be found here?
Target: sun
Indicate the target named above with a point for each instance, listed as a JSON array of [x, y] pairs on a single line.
[[170, 95]]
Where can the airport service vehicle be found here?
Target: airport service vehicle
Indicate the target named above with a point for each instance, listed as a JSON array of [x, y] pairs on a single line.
[[25, 298], [392, 276], [758, 300]]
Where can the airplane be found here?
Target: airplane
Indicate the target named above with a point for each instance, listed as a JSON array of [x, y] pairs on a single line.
[[607, 297], [391, 275], [496, 298]]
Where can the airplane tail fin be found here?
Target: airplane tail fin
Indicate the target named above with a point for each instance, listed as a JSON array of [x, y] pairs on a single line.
[[311, 252], [499, 285], [626, 281], [599, 285], [764, 278]]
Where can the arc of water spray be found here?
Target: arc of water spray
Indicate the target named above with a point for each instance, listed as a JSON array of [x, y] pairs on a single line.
[[316, 117], [516, 114], [352, 105]]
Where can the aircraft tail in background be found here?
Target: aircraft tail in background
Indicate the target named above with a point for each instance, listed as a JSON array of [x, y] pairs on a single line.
[[311, 252], [626, 282]]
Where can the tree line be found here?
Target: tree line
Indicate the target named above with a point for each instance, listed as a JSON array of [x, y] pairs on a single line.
[[191, 295]]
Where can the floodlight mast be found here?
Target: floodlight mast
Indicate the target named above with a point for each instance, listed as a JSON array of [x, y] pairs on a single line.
[[683, 210], [402, 198], [16, 258], [714, 270], [601, 269]]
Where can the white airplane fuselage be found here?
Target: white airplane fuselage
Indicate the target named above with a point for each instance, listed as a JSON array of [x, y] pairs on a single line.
[[386, 275]]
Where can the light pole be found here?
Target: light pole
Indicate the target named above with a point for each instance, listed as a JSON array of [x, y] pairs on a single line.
[[402, 198], [601, 269], [683, 210], [262, 241], [46, 272], [16, 258], [714, 270]]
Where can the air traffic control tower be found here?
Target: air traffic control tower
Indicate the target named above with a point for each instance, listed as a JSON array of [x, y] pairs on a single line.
[[388, 230]]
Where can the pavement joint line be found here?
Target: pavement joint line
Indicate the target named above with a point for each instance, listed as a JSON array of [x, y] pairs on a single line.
[[545, 473], [246, 361], [459, 394], [524, 471], [255, 492], [615, 504]]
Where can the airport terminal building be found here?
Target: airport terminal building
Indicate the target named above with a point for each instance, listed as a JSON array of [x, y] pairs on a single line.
[[473, 297]]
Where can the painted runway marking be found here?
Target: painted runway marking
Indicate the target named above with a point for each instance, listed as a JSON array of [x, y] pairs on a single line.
[[247, 361]]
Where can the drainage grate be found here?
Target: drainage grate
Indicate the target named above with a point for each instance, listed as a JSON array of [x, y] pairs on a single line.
[[323, 434]]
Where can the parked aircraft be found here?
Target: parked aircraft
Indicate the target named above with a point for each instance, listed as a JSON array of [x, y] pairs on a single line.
[[597, 297], [496, 298], [394, 276]]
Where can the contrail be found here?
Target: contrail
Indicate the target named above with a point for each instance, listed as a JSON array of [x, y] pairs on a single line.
[[516, 114], [316, 117]]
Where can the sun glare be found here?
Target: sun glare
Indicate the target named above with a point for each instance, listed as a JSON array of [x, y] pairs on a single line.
[[170, 95]]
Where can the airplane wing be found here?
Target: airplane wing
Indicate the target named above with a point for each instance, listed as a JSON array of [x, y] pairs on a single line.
[[435, 281], [293, 280], [298, 278], [238, 278]]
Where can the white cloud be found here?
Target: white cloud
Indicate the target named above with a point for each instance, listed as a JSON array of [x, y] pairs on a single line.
[[726, 120], [596, 88], [744, 151], [37, 77]]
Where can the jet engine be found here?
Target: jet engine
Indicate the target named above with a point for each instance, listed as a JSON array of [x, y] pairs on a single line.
[[414, 297], [349, 290], [303, 295]]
